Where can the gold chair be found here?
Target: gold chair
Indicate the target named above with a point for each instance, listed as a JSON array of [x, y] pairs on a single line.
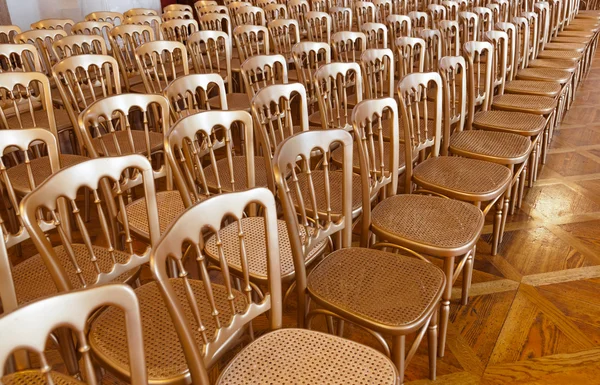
[[99, 28], [218, 22], [308, 58], [336, 85], [298, 9], [159, 63], [73, 309], [348, 46], [452, 9], [115, 18], [251, 16], [341, 19], [139, 12], [398, 26], [79, 45], [433, 48], [410, 54], [178, 29], [42, 39], [133, 124], [285, 33], [468, 23], [125, 39], [212, 9], [318, 27], [153, 21], [377, 35], [8, 33], [450, 31], [436, 13], [19, 58], [64, 24], [198, 5], [382, 275], [275, 11], [377, 67], [178, 8], [365, 12], [177, 15], [251, 40], [419, 21], [486, 21], [383, 9], [262, 70], [190, 94]]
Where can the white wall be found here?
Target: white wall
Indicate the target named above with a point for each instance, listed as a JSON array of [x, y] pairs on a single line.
[[25, 12]]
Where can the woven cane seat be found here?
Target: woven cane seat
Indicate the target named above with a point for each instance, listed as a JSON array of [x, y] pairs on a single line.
[[164, 354], [36, 377], [494, 146], [239, 174], [40, 119], [235, 101], [463, 178], [254, 230], [583, 26], [315, 119], [546, 74], [533, 87], [337, 157], [533, 104], [107, 141], [559, 54], [300, 356], [170, 205], [33, 281], [516, 122], [570, 46], [586, 34], [428, 222], [566, 65], [40, 169], [138, 88], [571, 39]]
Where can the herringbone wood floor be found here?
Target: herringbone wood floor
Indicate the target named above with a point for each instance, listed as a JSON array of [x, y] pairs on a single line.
[[534, 312]]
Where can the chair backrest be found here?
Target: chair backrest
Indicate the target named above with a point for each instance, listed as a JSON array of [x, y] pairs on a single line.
[[285, 33], [100, 28], [192, 148], [398, 26], [522, 42], [8, 33], [436, 14], [179, 29], [499, 40], [79, 45], [234, 7], [420, 100], [308, 58], [251, 40], [418, 20], [115, 18], [534, 34], [411, 55], [250, 16], [450, 32], [276, 11], [83, 79], [30, 327], [383, 8], [153, 21], [64, 24], [348, 46], [139, 12], [201, 4], [177, 15], [211, 54], [297, 9], [479, 57], [19, 57], [433, 48], [486, 21], [217, 22], [377, 35], [511, 32], [224, 311], [125, 39], [318, 26], [276, 118], [365, 12], [42, 39], [212, 9], [160, 62], [468, 23], [341, 18], [189, 94], [403, 7], [75, 259], [453, 71], [545, 30], [377, 67], [263, 70], [334, 84], [178, 8], [451, 10]]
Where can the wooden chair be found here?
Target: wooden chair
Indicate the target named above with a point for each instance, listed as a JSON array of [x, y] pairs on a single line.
[[115, 18], [348, 46], [125, 39], [179, 29], [410, 53], [377, 35], [365, 12], [377, 67], [275, 11], [79, 45], [19, 57], [251, 16], [433, 48], [8, 33], [262, 70], [297, 9], [178, 8], [318, 27], [139, 12], [285, 33], [341, 19], [450, 31], [308, 58], [398, 26], [153, 21], [160, 62], [42, 39], [251, 40], [64, 24], [190, 94], [177, 15]]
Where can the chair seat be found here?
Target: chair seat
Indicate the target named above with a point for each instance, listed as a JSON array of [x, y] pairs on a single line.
[[565, 65], [571, 39], [315, 119], [538, 105], [586, 34], [63, 122], [493, 146], [462, 178], [300, 356], [33, 281], [338, 154], [138, 88], [377, 286], [515, 122], [164, 354], [570, 46], [533, 87], [429, 224], [170, 205], [254, 229], [235, 101], [559, 54], [105, 145], [36, 377], [545, 74], [40, 169], [587, 27], [239, 174]]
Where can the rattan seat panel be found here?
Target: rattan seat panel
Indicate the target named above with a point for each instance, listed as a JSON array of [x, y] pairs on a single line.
[[300, 356], [378, 286], [525, 103], [430, 220], [517, 122], [335, 184], [500, 145], [36, 377], [164, 354], [41, 119], [315, 119], [570, 46], [33, 281], [532, 87], [122, 137], [565, 65], [462, 175], [254, 230], [586, 34], [40, 168], [138, 88], [170, 205], [239, 174], [547, 74], [235, 101], [559, 54], [337, 156], [571, 39]]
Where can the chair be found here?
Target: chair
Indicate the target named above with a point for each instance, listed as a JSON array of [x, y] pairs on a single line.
[[285, 33], [348, 46], [190, 94], [377, 67], [217, 22], [318, 27], [383, 9], [436, 13], [468, 23], [19, 57], [452, 9], [365, 12], [199, 5], [125, 39], [42, 39], [450, 31], [398, 26], [377, 35], [341, 18], [251, 40], [178, 8], [486, 21], [233, 7], [403, 7], [433, 48], [153, 21], [410, 52], [100, 28], [204, 10], [64, 24], [79, 45], [250, 16], [308, 58], [115, 18], [73, 309], [179, 29], [8, 33], [419, 21], [382, 275], [337, 85], [177, 15], [298, 9], [263, 70], [275, 11], [160, 62], [139, 12]]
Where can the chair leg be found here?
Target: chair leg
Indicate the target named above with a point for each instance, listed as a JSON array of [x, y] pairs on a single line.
[[467, 277], [67, 350], [522, 187], [432, 339], [445, 307], [497, 225], [532, 160], [398, 343]]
